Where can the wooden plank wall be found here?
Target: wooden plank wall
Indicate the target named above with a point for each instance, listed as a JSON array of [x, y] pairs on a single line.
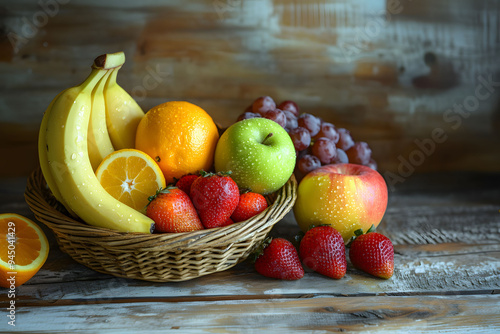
[[418, 80]]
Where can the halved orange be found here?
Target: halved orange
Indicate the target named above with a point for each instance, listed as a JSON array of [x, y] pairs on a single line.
[[130, 176], [23, 249]]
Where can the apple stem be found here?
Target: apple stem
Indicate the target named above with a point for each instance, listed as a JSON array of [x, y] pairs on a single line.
[[267, 137]]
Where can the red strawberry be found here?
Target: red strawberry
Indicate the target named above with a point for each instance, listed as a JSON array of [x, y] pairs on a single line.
[[172, 211], [372, 253], [250, 204], [215, 196], [229, 221], [279, 259], [322, 249], [185, 182]]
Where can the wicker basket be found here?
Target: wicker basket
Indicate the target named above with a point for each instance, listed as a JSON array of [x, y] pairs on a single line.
[[156, 257]]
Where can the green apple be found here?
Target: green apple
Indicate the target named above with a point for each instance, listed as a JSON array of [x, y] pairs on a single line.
[[258, 152]]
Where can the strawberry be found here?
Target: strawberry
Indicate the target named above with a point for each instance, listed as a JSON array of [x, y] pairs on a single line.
[[229, 221], [215, 196], [172, 211], [322, 250], [185, 182], [279, 259], [250, 204], [372, 253]]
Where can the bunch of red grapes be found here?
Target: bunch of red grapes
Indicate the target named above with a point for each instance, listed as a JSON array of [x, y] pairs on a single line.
[[316, 142]]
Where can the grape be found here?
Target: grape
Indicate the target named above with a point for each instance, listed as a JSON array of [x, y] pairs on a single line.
[[310, 122], [341, 157], [276, 115], [308, 163], [263, 104], [290, 106], [372, 164], [316, 142], [291, 120], [301, 138], [324, 148], [360, 153], [345, 140], [328, 130], [247, 115]]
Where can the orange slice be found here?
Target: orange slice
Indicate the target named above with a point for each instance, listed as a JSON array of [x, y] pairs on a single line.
[[23, 249], [130, 176]]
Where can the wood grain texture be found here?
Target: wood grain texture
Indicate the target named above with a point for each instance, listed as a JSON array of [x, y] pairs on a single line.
[[390, 71], [422, 314], [424, 270]]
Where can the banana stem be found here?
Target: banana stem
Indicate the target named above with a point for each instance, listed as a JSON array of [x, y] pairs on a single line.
[[109, 60]]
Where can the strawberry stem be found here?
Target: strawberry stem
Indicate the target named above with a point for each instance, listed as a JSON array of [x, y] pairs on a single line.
[[358, 232], [208, 174], [245, 190], [298, 238], [259, 249], [165, 190]]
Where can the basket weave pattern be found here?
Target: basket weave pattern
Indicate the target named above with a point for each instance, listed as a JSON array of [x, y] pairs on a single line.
[[156, 257]]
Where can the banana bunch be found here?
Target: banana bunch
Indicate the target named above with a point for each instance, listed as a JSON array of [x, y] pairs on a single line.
[[81, 126]]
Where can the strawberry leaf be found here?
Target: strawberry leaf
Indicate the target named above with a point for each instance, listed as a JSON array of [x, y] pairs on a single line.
[[204, 173], [317, 225], [165, 190], [245, 190], [358, 232], [298, 238], [257, 252]]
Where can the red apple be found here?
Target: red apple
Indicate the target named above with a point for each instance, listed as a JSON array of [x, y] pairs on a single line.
[[345, 196]]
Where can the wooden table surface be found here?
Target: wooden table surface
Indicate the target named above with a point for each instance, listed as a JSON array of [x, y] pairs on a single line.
[[446, 231]]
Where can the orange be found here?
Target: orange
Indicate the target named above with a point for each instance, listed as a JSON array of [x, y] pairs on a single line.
[[23, 249], [180, 136], [130, 176]]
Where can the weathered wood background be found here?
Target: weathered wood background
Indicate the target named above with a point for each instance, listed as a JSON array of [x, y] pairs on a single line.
[[391, 71]]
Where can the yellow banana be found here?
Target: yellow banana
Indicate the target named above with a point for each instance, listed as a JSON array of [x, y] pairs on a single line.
[[123, 114], [99, 143], [69, 163], [42, 155]]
